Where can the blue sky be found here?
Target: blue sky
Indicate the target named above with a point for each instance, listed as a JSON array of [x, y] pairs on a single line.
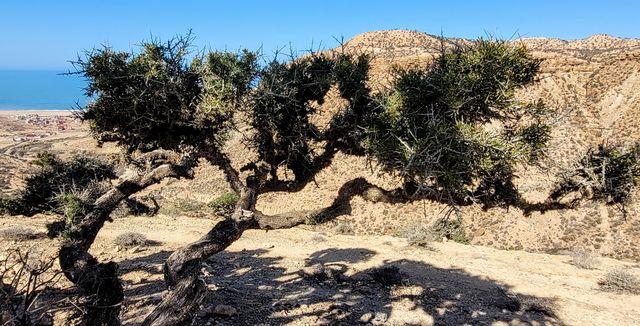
[[46, 34]]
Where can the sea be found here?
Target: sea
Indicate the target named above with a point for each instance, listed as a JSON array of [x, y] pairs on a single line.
[[41, 90]]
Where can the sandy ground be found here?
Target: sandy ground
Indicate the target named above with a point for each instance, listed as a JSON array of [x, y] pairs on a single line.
[[271, 278]]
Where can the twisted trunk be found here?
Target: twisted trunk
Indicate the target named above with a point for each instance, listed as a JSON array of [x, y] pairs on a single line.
[[99, 281], [182, 268]]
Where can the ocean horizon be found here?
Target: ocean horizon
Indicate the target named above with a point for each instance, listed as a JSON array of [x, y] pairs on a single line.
[[40, 90]]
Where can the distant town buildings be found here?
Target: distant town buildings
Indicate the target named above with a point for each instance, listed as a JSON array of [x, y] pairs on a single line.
[[49, 124]]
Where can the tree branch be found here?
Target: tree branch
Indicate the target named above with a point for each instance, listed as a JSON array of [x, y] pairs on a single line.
[[99, 281]]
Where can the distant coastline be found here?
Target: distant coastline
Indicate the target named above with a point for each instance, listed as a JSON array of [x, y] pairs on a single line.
[[33, 109], [41, 112], [40, 90]]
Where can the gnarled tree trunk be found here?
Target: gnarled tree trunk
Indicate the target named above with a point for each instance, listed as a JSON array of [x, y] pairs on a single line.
[[99, 281], [182, 268]]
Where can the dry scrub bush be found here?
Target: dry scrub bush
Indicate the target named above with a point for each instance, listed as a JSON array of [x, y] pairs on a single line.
[[345, 228], [131, 239], [534, 304], [318, 238], [620, 281], [19, 233], [420, 237], [584, 259], [50, 178], [24, 277], [608, 173]]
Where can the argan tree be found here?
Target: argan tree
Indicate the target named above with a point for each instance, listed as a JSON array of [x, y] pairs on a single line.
[[453, 131]]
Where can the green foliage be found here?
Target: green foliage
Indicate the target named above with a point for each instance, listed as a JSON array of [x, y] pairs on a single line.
[[477, 83], [224, 204], [285, 98], [608, 173], [455, 130], [10, 205], [73, 205], [157, 98], [348, 127], [451, 229], [52, 177], [281, 109]]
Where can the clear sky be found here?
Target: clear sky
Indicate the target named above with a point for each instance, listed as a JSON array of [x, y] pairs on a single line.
[[46, 34]]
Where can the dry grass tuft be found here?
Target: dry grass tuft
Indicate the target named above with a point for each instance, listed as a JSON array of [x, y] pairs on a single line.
[[542, 305], [318, 238], [131, 239]]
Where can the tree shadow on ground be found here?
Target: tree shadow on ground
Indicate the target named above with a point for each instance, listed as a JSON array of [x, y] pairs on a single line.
[[326, 289]]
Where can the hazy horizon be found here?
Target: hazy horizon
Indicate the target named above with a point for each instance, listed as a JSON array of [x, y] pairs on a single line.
[[41, 37]]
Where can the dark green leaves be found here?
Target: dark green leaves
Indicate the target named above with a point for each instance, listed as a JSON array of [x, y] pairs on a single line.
[[158, 98], [432, 125]]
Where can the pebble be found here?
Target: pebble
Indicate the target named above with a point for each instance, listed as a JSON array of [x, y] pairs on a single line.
[[377, 318]]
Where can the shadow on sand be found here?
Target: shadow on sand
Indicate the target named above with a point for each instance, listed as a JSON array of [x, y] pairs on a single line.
[[323, 290]]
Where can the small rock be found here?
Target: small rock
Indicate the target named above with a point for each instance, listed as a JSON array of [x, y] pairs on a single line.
[[267, 245], [135, 249], [366, 317], [139, 280], [117, 248], [265, 287], [224, 310], [380, 318]]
